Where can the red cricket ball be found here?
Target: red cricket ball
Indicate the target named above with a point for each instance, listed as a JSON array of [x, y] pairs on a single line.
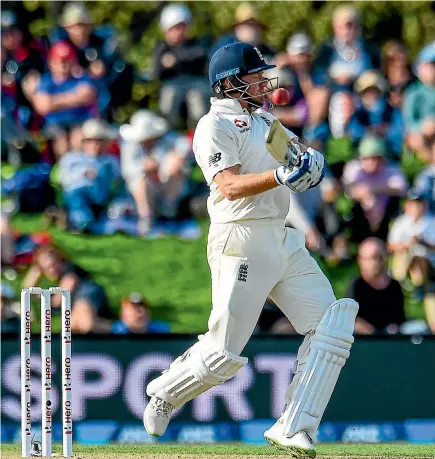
[[280, 96]]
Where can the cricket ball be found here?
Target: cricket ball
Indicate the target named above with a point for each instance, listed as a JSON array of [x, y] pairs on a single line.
[[280, 97]]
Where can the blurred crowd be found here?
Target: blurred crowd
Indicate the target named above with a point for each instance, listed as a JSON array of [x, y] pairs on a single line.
[[368, 106]]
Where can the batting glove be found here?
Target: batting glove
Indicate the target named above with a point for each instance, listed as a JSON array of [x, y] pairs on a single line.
[[308, 174]]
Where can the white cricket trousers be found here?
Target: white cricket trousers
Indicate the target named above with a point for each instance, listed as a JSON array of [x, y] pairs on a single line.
[[255, 259]]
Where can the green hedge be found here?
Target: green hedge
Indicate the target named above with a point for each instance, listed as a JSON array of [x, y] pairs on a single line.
[[171, 273]]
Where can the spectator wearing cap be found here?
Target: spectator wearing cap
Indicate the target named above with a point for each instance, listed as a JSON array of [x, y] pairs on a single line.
[[22, 57], [347, 47], [61, 97], [375, 115], [89, 177], [98, 53], [397, 71], [293, 71], [155, 165], [380, 298], [298, 57], [375, 184], [412, 243], [425, 181], [135, 317], [180, 64], [419, 102], [247, 28]]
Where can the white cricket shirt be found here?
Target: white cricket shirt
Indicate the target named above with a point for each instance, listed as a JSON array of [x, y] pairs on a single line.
[[229, 135]]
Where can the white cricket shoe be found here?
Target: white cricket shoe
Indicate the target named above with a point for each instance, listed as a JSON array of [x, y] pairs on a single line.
[[299, 445], [157, 415]]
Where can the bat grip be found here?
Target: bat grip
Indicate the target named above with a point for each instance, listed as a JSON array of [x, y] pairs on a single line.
[[300, 149]]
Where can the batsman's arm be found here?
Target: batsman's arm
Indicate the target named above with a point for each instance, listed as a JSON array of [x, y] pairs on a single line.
[[234, 185]]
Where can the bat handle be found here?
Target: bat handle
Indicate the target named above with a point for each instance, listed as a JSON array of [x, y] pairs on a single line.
[[298, 150]]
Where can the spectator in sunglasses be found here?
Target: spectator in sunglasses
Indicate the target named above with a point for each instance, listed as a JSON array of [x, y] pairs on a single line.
[[347, 47]]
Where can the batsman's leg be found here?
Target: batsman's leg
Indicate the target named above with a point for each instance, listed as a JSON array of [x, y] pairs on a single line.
[[240, 286], [307, 299]]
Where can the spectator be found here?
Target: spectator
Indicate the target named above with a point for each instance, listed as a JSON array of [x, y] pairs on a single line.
[[412, 242], [98, 53], [90, 178], [419, 102], [154, 163], [375, 115], [316, 129], [135, 317], [294, 114], [302, 215], [313, 213], [375, 185], [7, 245], [296, 61], [298, 57], [397, 71], [89, 303], [341, 109], [380, 298], [22, 55], [346, 47], [247, 28], [61, 97], [30, 188], [17, 145], [180, 64], [9, 310], [425, 181]]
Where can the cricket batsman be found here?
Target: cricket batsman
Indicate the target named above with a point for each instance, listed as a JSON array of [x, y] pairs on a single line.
[[252, 256]]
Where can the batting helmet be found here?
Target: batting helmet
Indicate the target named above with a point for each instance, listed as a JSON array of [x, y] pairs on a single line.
[[232, 62]]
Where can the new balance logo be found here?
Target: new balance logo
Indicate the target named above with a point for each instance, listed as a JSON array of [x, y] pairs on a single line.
[[267, 121], [214, 159], [242, 275]]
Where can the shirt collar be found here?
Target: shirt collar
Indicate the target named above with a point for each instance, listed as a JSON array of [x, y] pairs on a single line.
[[227, 106]]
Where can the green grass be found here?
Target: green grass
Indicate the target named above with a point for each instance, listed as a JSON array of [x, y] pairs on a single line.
[[232, 451], [171, 273]]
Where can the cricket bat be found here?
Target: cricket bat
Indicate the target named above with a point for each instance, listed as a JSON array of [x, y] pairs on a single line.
[[282, 147]]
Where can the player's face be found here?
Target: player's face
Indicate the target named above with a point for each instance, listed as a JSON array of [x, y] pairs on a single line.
[[258, 85]]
